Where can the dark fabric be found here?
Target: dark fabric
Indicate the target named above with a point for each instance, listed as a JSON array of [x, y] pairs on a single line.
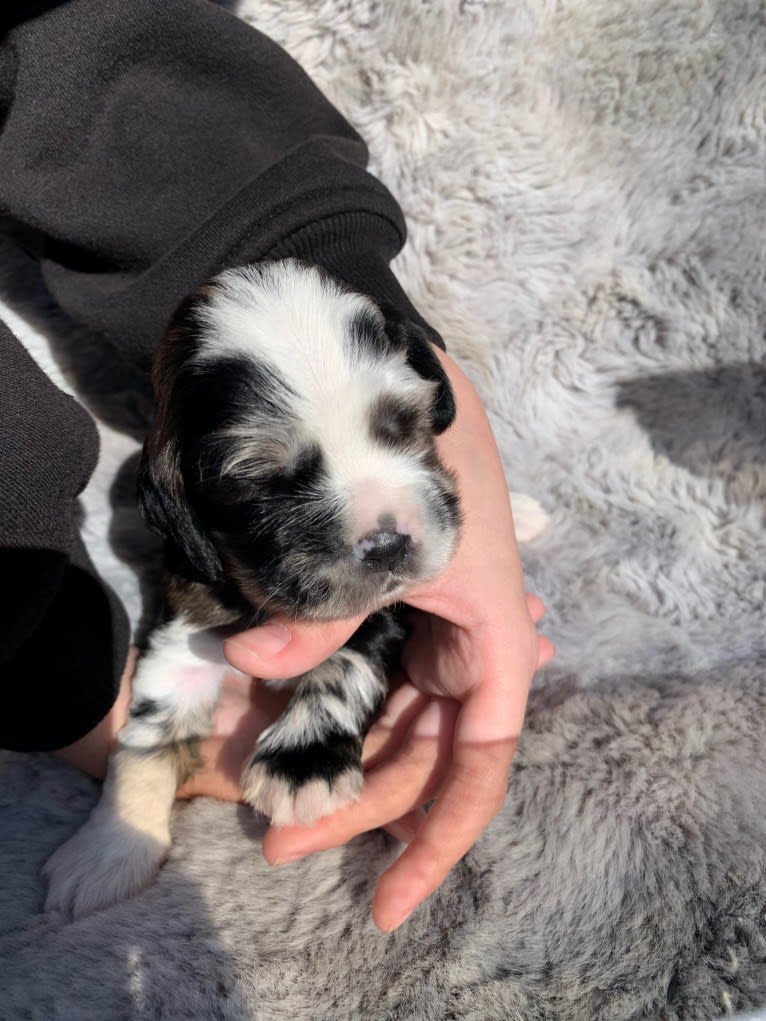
[[148, 145], [144, 145], [63, 635]]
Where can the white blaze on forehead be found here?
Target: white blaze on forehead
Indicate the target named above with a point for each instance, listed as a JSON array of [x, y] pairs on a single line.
[[287, 316], [297, 322]]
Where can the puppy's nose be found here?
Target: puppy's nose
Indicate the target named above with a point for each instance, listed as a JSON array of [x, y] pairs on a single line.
[[383, 551]]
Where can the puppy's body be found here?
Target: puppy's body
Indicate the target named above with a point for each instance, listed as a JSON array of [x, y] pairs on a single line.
[[291, 470]]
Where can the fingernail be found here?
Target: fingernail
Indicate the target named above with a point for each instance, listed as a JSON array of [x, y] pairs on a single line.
[[265, 641], [290, 858], [400, 919], [287, 861]]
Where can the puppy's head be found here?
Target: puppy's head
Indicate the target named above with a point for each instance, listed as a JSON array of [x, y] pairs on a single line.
[[293, 451]]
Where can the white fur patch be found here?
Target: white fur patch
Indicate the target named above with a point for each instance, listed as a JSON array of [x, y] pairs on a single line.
[[273, 796], [182, 672], [101, 866], [118, 851]]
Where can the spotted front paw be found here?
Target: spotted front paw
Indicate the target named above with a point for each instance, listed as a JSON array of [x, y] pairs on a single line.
[[301, 785]]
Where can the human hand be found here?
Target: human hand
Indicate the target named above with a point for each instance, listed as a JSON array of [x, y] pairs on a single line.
[[245, 708], [470, 661]]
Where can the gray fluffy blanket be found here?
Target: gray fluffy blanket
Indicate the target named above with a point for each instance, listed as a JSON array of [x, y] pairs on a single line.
[[585, 186]]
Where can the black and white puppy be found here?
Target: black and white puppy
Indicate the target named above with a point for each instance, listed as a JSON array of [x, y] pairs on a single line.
[[291, 470]]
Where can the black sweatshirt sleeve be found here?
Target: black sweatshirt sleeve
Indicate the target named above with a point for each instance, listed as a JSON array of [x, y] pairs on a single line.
[[144, 146], [63, 635], [147, 145]]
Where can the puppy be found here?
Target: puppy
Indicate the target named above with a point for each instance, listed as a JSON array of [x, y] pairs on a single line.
[[291, 470]]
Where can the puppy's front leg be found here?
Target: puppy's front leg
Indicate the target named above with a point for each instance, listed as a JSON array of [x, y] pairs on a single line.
[[308, 763], [117, 852]]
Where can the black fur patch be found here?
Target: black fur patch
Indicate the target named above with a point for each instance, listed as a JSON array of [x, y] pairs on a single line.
[[166, 509], [217, 393], [422, 359], [413, 338], [301, 475], [321, 760], [393, 423], [367, 335], [145, 707], [381, 637]]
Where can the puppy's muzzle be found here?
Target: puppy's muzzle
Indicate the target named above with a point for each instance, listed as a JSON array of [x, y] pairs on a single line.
[[383, 551]]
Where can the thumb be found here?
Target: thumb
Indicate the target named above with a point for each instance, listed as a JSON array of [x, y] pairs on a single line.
[[286, 648]]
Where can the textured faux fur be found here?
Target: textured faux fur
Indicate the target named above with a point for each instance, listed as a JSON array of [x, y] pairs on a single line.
[[584, 184]]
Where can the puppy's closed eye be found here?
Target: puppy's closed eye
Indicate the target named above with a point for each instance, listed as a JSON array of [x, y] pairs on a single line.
[[395, 423], [300, 472]]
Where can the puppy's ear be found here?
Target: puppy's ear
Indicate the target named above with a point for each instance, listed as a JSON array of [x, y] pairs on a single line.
[[163, 504], [162, 496], [409, 335]]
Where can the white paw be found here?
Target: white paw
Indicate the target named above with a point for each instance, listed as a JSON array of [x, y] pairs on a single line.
[[104, 863], [529, 518], [277, 797]]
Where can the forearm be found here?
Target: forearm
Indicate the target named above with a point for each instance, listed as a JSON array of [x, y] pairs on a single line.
[[148, 145]]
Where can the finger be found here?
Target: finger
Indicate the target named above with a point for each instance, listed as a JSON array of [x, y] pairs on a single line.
[[478, 778], [545, 652], [398, 786], [286, 648], [392, 728], [265, 705], [545, 648], [536, 607], [487, 732]]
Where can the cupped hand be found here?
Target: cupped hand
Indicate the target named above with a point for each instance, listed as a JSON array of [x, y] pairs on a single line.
[[452, 729]]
